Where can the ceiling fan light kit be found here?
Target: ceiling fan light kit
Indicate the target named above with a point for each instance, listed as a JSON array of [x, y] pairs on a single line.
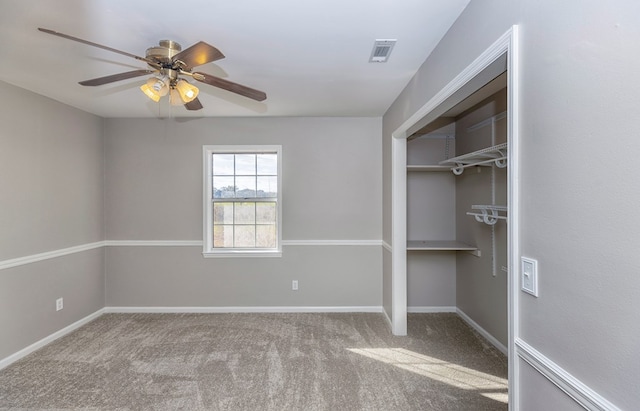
[[151, 93], [156, 87], [170, 62], [187, 91]]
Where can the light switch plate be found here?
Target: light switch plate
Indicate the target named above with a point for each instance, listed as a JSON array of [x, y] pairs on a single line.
[[529, 276]]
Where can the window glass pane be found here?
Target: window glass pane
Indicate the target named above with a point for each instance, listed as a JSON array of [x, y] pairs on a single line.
[[223, 187], [245, 164], [223, 164], [267, 164], [245, 213], [265, 213], [245, 187], [245, 236], [222, 213], [222, 236], [266, 236], [267, 186]]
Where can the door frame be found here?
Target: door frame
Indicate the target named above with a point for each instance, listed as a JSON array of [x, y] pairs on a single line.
[[503, 52]]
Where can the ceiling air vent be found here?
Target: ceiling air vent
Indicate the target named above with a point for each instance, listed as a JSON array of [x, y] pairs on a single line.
[[381, 51]]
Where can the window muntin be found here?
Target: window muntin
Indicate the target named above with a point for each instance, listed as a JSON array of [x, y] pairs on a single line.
[[242, 199]]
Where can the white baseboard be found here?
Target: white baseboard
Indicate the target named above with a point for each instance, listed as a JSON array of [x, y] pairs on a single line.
[[39, 344], [573, 387], [423, 310], [482, 332], [346, 309]]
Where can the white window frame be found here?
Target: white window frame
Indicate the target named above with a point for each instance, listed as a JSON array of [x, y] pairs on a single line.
[[208, 250]]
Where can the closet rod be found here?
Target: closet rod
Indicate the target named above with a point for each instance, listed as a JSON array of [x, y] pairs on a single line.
[[489, 214], [487, 121]]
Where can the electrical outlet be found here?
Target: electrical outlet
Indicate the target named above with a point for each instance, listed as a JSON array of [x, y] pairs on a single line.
[[294, 285], [59, 304]]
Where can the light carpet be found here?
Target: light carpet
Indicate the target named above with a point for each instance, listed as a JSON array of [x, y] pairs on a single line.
[[342, 361]]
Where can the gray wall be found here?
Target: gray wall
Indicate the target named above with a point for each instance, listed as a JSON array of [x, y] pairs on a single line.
[[540, 394], [431, 205], [51, 174], [579, 145], [332, 190]]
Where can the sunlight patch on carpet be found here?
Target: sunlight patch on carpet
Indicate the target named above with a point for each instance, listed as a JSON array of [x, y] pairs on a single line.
[[454, 375]]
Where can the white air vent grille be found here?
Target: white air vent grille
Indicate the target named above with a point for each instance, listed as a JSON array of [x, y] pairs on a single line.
[[381, 51]]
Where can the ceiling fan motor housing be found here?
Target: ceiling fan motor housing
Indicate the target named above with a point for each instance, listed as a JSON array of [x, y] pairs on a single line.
[[163, 54]]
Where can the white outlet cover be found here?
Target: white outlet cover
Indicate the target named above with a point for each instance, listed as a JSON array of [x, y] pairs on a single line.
[[529, 275]]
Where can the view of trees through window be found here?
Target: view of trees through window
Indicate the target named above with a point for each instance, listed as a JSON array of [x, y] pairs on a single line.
[[244, 196]]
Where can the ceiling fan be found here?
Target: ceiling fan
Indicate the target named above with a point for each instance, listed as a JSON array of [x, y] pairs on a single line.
[[169, 64]]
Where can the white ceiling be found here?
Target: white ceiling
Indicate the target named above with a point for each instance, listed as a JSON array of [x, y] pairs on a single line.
[[310, 57]]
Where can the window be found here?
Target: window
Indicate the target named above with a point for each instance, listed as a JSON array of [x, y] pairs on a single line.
[[242, 200]]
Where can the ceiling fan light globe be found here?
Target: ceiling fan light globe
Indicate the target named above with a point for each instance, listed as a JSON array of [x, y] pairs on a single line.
[[149, 92], [188, 92], [159, 85]]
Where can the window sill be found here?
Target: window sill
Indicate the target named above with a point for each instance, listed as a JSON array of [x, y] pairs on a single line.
[[242, 253]]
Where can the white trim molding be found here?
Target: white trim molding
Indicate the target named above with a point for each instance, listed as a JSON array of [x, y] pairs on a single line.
[[573, 387], [387, 247], [46, 340], [198, 243], [486, 334], [153, 243], [15, 262], [430, 310], [333, 242], [512, 40], [223, 310]]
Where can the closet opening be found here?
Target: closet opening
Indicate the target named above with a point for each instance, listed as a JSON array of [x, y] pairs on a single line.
[[455, 203], [457, 211]]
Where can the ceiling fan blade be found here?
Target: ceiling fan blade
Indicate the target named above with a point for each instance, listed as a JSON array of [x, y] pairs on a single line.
[[230, 86], [90, 43], [193, 105], [198, 54], [115, 77]]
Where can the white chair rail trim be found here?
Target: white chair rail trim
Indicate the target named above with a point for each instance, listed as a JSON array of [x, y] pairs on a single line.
[[573, 387], [15, 262]]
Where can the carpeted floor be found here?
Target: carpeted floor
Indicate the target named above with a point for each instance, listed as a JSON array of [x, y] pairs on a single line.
[[260, 362]]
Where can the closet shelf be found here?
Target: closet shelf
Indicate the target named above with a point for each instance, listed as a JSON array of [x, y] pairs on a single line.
[[496, 154], [489, 214], [438, 246], [434, 167]]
